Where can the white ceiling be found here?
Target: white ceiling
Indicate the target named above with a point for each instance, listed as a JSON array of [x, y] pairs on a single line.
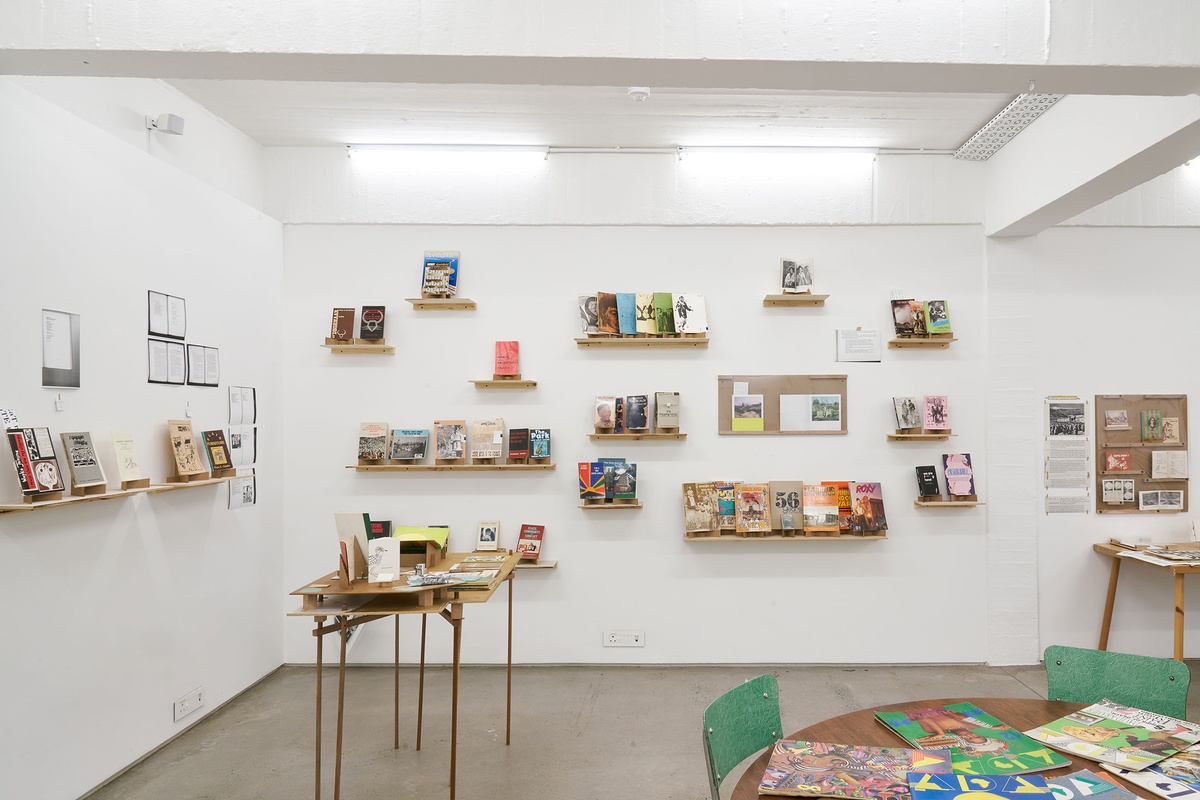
[[312, 113]]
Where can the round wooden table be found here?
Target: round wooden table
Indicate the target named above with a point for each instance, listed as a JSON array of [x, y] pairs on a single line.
[[861, 727]]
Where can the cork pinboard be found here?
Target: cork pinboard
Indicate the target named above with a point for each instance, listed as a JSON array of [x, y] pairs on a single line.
[[823, 413], [1130, 440]]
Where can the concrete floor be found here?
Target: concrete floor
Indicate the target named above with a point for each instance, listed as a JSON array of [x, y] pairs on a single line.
[[577, 732]]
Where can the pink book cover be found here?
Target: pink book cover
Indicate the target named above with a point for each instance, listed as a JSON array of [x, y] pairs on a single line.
[[508, 358], [937, 412]]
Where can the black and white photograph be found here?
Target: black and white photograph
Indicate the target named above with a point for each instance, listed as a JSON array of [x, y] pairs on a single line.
[[1066, 418], [369, 447], [489, 535], [60, 349], [908, 414], [1170, 500], [242, 490], [589, 315], [1118, 490], [935, 310], [409, 445], [451, 440], [796, 276], [635, 411], [1148, 501]]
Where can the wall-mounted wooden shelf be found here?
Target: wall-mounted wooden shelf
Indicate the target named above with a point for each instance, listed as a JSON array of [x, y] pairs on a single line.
[[636, 437], [441, 303], [728, 536], [1119, 472], [448, 467], [947, 503], [647, 341], [795, 300], [609, 506], [504, 384], [361, 349], [919, 437], [931, 342], [537, 565], [14, 508]]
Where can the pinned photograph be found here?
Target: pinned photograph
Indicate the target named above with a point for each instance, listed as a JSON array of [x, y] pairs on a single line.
[[747, 412], [1116, 419], [1066, 418]]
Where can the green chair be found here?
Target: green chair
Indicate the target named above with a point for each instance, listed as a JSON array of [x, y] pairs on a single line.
[[1079, 675], [738, 724]]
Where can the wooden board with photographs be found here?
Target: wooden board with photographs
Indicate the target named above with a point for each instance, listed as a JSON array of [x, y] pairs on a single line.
[[1141, 453], [788, 405]]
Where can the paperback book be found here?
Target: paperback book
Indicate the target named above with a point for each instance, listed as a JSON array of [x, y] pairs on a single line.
[[820, 509], [798, 768], [908, 413], [372, 440], [750, 508], [450, 436], [937, 412], [796, 275], [787, 505], [342, 326], [1125, 737], [591, 480], [439, 276], [489, 535], [1152, 426], [34, 459], [701, 511], [183, 445], [666, 409], [927, 482], [608, 466], [917, 310], [979, 744], [902, 317], [539, 442], [937, 316], [127, 461], [690, 313], [725, 504], [372, 323], [960, 477], [606, 307], [624, 481], [383, 559], [646, 319], [529, 544], [636, 416], [588, 315], [409, 444], [518, 443], [508, 358], [664, 312], [606, 412], [81, 459], [869, 516], [845, 501], [487, 438], [217, 449], [619, 415], [627, 313], [978, 787], [1117, 460]]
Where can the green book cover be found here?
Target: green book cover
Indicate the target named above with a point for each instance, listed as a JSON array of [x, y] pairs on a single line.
[[979, 743], [664, 312]]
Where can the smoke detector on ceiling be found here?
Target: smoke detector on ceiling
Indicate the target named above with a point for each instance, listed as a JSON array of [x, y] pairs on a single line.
[[639, 94]]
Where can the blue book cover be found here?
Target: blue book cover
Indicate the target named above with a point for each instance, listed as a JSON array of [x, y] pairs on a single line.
[[539, 442], [627, 312], [608, 469], [930, 786], [439, 278]]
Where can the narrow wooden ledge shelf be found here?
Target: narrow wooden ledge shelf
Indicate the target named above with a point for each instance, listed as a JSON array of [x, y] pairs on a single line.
[[919, 437], [947, 503], [537, 565], [1115, 509], [930, 342], [795, 300], [448, 467], [636, 437], [647, 341], [1116, 473], [609, 506], [16, 508], [494, 384], [776, 537], [361, 349], [441, 303]]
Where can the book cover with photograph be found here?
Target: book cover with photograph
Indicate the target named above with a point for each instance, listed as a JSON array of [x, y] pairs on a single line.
[[589, 316], [184, 447], [539, 442], [799, 768], [627, 313], [82, 460], [796, 275], [747, 412], [820, 508], [902, 317], [605, 412], [937, 412], [217, 449], [690, 313], [342, 326], [489, 535], [619, 415], [787, 505], [450, 438], [409, 444], [1125, 737], [666, 409], [487, 438], [1152, 426], [751, 514], [518, 443], [371, 327], [664, 312], [701, 508], [508, 358], [372, 440], [725, 504], [606, 309], [869, 515], [623, 481], [845, 501], [636, 416], [937, 316], [1116, 419], [647, 320], [917, 312], [529, 543], [439, 275], [908, 413], [960, 478]]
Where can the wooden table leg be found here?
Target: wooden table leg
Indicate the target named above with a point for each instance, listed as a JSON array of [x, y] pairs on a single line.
[[1113, 574], [396, 691], [508, 711], [320, 640], [1179, 616], [337, 763], [457, 623], [421, 682]]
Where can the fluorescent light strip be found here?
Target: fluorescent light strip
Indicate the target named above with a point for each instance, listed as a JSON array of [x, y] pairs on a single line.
[[351, 149], [776, 149], [1001, 128]]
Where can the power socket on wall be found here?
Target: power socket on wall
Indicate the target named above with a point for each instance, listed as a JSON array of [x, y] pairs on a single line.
[[189, 703], [624, 639]]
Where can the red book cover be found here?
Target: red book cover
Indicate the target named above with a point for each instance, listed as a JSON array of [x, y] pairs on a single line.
[[845, 505], [508, 358], [529, 545]]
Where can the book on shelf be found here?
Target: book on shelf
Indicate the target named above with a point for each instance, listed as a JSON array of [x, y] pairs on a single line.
[[1171, 431], [845, 501], [917, 311], [1117, 460], [35, 461], [217, 449], [588, 316], [796, 275], [978, 787], [820, 508], [647, 321], [591, 480], [371, 327], [701, 511], [666, 409], [450, 438], [937, 316], [606, 309], [128, 468], [383, 559], [439, 275], [409, 444], [798, 768], [1117, 490], [787, 505], [372, 441], [1175, 778], [1085, 783], [624, 481], [936, 415], [342, 326], [664, 312], [82, 459], [1168, 464], [927, 482], [960, 477], [1152, 426], [184, 448], [908, 413], [608, 467], [518, 443], [869, 515], [605, 412], [539, 442], [379, 529], [1116, 419], [902, 317], [978, 743], [619, 415], [508, 358], [637, 417], [487, 438], [726, 503], [489, 535], [627, 313], [529, 543], [1129, 738], [751, 513], [690, 314]]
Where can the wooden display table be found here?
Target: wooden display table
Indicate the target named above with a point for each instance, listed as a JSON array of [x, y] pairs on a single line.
[[1176, 570]]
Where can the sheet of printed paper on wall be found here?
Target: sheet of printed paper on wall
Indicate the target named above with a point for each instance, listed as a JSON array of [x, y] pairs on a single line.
[[1067, 504], [242, 492]]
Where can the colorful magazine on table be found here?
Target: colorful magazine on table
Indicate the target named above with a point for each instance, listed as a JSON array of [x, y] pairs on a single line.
[[1085, 783], [819, 769], [1125, 737], [979, 743], [1177, 777], [978, 787]]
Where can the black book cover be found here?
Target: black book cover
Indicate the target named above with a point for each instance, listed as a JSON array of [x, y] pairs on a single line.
[[927, 482], [372, 323]]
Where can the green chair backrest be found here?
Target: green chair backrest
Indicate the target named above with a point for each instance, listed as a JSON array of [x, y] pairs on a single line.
[[1079, 675], [739, 723]]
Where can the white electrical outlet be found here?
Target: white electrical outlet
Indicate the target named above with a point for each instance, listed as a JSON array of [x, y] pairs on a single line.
[[189, 703], [624, 639]]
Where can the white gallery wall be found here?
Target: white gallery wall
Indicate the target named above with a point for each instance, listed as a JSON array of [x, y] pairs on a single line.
[[126, 605]]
